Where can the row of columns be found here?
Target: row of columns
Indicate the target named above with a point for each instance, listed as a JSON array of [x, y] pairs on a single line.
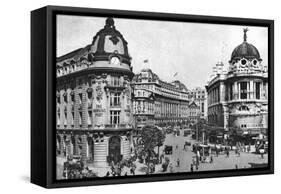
[[74, 111], [89, 148], [214, 95], [170, 109], [234, 91], [69, 145], [77, 113]]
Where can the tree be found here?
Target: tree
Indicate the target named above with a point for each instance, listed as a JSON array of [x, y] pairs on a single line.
[[199, 128], [151, 137]]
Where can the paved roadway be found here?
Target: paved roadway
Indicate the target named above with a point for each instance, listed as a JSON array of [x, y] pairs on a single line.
[[219, 163], [185, 157]]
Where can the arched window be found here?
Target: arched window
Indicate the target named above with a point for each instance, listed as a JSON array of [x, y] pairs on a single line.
[[243, 108]]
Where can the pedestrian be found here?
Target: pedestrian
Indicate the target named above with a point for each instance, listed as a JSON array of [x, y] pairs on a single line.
[[211, 159], [178, 162], [171, 167], [217, 152], [191, 167], [132, 171], [227, 153], [262, 152], [238, 153], [236, 166], [112, 168]]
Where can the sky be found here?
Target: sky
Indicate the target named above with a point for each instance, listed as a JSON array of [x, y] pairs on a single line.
[[188, 49]]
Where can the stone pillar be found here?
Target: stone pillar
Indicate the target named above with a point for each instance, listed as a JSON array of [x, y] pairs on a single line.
[[76, 145], [76, 107], [107, 102], [61, 145], [170, 109], [226, 117], [126, 151], [165, 107], [68, 145], [68, 108], [61, 110], [222, 91], [84, 108], [235, 92], [239, 90], [100, 153], [212, 96], [84, 148], [251, 89]]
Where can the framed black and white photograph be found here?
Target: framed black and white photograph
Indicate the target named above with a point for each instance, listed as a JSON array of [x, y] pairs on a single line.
[[125, 96]]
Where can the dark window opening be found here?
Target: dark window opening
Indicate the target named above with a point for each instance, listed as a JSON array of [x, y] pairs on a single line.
[[258, 90], [243, 90]]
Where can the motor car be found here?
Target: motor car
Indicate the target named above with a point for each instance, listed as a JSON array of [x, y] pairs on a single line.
[[168, 150]]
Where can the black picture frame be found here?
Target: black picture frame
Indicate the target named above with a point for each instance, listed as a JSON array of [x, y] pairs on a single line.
[[43, 88]]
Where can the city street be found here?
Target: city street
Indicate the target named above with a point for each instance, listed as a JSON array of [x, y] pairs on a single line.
[[219, 163], [185, 157]]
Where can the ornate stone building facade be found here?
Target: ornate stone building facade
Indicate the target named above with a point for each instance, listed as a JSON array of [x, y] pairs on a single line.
[[199, 96], [94, 102], [194, 112], [156, 101], [238, 97]]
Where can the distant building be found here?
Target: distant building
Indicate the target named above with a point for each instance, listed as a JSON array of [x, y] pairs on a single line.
[[94, 117], [194, 112], [238, 96], [157, 102], [199, 96]]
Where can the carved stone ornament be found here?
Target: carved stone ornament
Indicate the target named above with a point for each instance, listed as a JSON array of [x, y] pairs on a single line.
[[127, 92], [99, 93]]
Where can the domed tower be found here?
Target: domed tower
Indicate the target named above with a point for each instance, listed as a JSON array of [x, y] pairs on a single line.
[[245, 57], [110, 49], [247, 89], [238, 98], [94, 117]]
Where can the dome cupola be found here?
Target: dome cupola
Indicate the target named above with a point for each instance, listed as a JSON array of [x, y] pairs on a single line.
[[245, 50], [245, 58], [109, 43]]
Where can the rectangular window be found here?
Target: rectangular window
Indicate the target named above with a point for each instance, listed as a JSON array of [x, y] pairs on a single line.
[[243, 90], [114, 117], [202, 107], [115, 81], [115, 99], [258, 95]]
